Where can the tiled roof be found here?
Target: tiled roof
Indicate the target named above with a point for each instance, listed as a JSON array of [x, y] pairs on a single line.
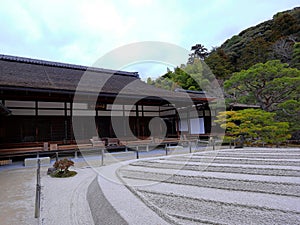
[[63, 65], [19, 72]]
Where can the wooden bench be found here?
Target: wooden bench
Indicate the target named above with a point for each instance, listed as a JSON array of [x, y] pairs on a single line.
[[97, 142], [139, 145], [174, 148], [113, 142], [20, 150], [5, 162], [26, 151]]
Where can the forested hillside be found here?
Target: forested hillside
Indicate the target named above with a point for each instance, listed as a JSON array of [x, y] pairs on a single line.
[[277, 38], [259, 66], [272, 39]]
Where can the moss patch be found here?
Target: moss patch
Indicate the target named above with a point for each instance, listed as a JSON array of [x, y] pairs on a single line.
[[63, 174]]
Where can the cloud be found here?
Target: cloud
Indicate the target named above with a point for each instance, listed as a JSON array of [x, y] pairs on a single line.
[[82, 31], [148, 69]]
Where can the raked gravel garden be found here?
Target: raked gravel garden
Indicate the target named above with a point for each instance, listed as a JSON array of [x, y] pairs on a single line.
[[233, 186]]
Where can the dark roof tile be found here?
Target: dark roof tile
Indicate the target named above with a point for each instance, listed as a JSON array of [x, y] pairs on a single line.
[[39, 74]]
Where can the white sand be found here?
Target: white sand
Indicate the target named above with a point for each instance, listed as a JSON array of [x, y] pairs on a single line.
[[64, 200]]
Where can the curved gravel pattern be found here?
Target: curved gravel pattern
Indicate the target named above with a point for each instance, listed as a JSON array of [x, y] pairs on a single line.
[[217, 168], [258, 155], [226, 160], [267, 150], [218, 212], [245, 186], [288, 189]]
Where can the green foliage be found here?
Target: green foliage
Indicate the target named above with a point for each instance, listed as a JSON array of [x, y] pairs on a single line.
[[199, 52], [284, 24], [150, 81], [255, 51], [254, 124], [264, 42], [289, 111], [296, 56], [267, 84], [219, 62], [195, 76], [60, 174]]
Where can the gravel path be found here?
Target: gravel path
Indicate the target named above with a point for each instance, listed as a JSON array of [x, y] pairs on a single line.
[[17, 196], [246, 186], [64, 199]]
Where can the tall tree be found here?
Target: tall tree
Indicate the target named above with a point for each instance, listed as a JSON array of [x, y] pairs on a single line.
[[199, 51], [266, 84], [195, 76], [220, 64]]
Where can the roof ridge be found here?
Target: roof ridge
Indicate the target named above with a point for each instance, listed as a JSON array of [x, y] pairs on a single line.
[[65, 65]]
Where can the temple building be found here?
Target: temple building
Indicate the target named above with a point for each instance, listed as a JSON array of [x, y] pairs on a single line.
[[40, 100]]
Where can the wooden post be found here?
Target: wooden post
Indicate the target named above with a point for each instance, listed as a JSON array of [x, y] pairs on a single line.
[[137, 120], [189, 122], [71, 122], [177, 125], [96, 121], [124, 121], [66, 121], [143, 123], [38, 190]]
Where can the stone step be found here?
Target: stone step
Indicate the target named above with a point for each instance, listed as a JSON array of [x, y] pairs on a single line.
[[33, 161]]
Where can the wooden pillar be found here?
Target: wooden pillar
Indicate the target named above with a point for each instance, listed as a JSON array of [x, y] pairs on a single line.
[[51, 129], [66, 121], [137, 120], [143, 122], [71, 122], [177, 125], [189, 122], [96, 121], [124, 121]]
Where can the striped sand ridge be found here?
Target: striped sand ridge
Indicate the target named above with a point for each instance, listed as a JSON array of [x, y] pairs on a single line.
[[245, 186]]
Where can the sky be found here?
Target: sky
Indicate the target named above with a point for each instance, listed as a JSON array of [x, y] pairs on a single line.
[[82, 31]]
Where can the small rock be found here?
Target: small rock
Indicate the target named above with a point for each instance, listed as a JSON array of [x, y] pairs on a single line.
[[51, 170]]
